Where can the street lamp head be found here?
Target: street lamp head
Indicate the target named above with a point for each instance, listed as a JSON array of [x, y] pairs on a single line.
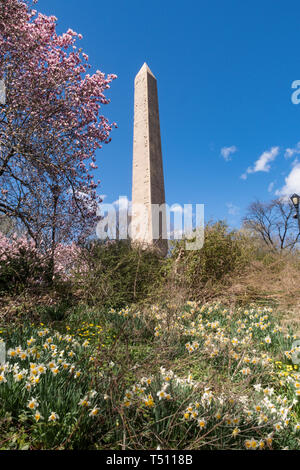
[[295, 200]]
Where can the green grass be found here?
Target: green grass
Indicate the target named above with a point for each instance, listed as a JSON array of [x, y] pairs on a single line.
[[178, 379]]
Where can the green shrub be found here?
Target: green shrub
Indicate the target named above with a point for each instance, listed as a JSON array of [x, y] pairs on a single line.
[[118, 274], [21, 270], [223, 254]]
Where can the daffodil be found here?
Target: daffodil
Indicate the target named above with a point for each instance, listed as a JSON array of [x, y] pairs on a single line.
[[161, 394], [38, 416], [32, 404], [94, 411], [201, 423], [84, 402], [53, 417], [2, 378]]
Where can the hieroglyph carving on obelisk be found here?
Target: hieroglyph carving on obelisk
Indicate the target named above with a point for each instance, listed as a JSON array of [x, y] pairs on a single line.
[[148, 226]]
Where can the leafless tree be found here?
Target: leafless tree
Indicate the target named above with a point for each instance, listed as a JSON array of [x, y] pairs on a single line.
[[274, 224]]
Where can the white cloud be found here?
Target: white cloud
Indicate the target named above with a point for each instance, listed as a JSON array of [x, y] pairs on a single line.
[[122, 203], [232, 209], [263, 163], [271, 186], [292, 183], [290, 152], [226, 152], [177, 208]]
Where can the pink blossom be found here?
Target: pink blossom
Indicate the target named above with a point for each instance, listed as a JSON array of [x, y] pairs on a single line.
[[54, 112]]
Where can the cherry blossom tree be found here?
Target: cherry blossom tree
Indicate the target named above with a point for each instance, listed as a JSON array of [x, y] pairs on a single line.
[[51, 125]]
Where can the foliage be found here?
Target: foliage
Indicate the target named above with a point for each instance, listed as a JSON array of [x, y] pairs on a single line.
[[23, 265], [118, 274], [85, 386], [224, 253], [47, 386]]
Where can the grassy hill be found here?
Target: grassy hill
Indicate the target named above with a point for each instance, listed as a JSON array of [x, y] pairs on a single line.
[[196, 351]]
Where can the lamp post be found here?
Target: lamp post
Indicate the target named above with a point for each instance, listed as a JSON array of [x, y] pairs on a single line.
[[296, 200]]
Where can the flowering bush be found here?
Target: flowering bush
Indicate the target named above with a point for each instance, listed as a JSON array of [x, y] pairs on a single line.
[[22, 264]]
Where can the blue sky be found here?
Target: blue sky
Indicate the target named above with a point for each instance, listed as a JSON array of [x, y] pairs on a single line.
[[225, 71]]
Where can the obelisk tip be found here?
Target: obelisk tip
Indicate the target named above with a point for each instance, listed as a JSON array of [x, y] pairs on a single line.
[[145, 69]]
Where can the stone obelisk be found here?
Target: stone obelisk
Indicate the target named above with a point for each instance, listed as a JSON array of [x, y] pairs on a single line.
[[148, 191]]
